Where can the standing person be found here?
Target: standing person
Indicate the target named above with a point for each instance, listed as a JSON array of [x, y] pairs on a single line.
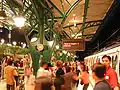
[[59, 81], [16, 77], [70, 79], [110, 74], [98, 71], [44, 78], [84, 77], [42, 71], [9, 74], [28, 72]]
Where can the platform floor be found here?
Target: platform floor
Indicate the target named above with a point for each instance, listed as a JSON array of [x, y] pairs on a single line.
[[30, 84]]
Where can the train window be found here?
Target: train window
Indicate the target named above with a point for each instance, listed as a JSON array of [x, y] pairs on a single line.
[[114, 62], [119, 68]]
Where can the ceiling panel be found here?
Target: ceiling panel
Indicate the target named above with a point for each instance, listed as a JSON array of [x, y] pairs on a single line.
[[97, 9]]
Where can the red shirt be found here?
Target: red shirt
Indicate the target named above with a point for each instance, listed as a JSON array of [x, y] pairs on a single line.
[[111, 77], [85, 77]]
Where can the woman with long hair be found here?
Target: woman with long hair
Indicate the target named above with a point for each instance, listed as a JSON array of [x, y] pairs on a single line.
[[84, 77]]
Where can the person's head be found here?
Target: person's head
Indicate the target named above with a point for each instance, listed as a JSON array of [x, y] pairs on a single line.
[[59, 63], [44, 64], [26, 56], [82, 66], [98, 71], [68, 69], [106, 60], [10, 62], [15, 64]]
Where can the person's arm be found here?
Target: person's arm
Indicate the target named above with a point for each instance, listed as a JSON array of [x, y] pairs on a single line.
[[114, 80], [5, 73], [116, 88], [75, 77], [15, 72]]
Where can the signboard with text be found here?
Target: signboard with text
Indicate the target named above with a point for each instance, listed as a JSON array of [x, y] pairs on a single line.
[[73, 44]]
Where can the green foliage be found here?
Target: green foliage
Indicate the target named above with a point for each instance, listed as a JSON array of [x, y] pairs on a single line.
[[46, 55], [4, 49], [23, 51]]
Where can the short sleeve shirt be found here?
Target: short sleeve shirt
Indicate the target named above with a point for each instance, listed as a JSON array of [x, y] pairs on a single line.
[[111, 77]]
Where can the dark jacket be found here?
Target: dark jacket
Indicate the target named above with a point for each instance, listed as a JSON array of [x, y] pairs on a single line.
[[43, 83]]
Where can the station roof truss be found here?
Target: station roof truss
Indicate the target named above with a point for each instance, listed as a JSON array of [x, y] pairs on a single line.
[[69, 18]]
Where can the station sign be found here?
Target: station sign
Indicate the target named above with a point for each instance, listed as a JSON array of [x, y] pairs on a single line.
[[73, 44]]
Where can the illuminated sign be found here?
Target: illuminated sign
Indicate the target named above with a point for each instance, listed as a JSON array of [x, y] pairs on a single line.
[[73, 44]]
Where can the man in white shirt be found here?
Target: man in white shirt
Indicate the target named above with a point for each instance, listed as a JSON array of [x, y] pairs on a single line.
[[42, 70], [44, 78]]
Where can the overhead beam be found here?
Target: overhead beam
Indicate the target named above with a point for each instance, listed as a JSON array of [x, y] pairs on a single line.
[[85, 15], [87, 24], [70, 10], [55, 7]]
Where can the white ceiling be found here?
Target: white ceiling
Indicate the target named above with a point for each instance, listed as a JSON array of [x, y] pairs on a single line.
[[96, 11]]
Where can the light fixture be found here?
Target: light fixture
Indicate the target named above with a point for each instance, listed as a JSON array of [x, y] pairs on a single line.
[[19, 21], [65, 52], [2, 41], [9, 44], [74, 15], [57, 46], [1, 30], [34, 39], [24, 45], [50, 43], [75, 24], [21, 43], [68, 54], [14, 43]]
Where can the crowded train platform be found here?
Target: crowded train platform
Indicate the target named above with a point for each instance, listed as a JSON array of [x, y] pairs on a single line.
[[59, 44]]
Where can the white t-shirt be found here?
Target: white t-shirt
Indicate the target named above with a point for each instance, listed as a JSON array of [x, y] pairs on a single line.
[[43, 72]]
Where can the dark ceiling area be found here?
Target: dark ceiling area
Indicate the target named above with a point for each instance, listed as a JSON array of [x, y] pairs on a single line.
[[108, 33], [16, 35]]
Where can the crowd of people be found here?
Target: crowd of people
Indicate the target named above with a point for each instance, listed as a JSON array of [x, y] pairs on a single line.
[[14, 72], [66, 76], [60, 75]]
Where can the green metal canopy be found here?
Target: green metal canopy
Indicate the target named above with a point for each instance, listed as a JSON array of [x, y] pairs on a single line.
[[54, 20], [70, 18]]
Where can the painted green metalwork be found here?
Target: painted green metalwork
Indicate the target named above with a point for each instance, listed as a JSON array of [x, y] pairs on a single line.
[[87, 24], [29, 8], [14, 3], [55, 7], [40, 17], [71, 30], [70, 10], [11, 7], [85, 15], [93, 24], [68, 2], [62, 6]]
